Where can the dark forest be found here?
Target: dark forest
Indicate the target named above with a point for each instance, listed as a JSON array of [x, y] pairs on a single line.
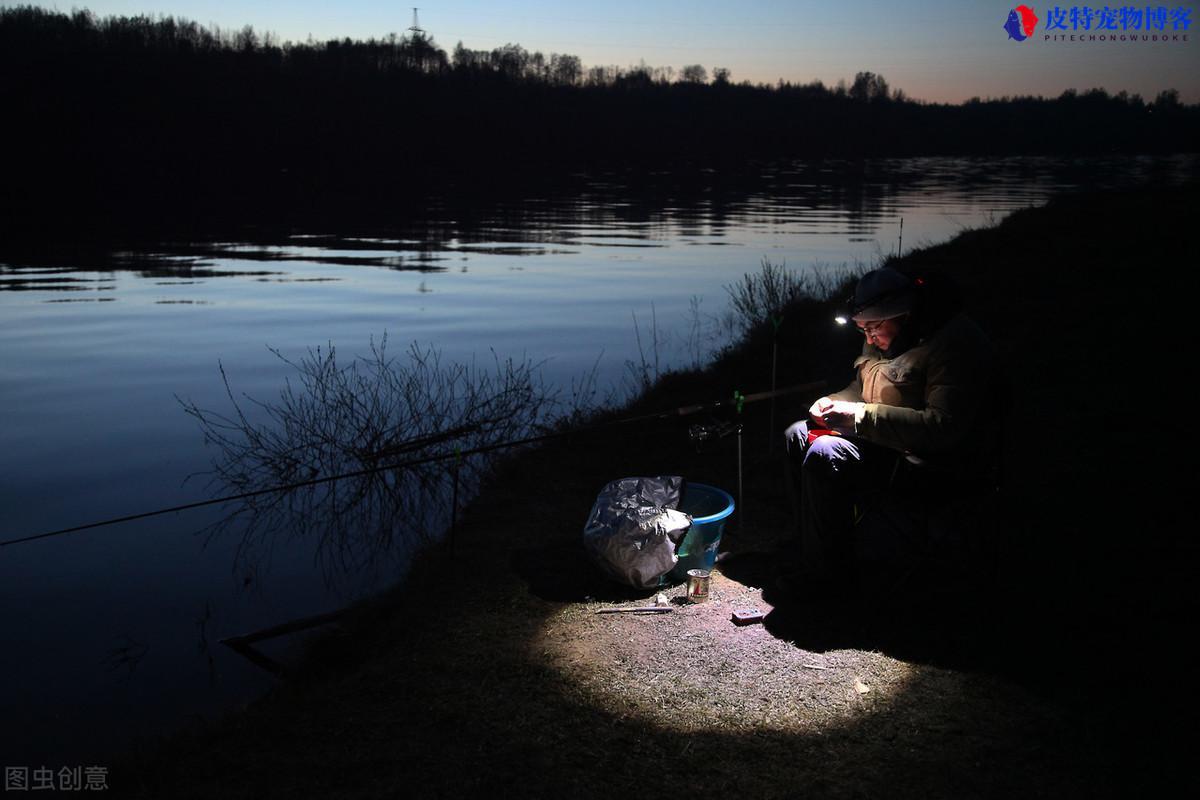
[[139, 116]]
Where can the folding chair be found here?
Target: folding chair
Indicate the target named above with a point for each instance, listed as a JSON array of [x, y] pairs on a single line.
[[931, 535]]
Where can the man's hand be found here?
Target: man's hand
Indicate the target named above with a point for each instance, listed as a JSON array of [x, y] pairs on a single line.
[[817, 409], [838, 415]]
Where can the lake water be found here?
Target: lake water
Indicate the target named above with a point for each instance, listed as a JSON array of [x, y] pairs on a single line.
[[112, 633]]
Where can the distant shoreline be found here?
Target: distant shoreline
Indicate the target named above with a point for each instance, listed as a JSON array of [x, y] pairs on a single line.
[[120, 120]]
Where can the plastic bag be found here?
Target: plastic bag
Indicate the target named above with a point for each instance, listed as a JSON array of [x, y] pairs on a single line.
[[634, 527]]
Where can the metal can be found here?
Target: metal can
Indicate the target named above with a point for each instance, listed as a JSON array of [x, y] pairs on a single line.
[[697, 586]]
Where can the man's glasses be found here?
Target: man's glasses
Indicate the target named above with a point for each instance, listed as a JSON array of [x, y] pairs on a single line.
[[869, 328]]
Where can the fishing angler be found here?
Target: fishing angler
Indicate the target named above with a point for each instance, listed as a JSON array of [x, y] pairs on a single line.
[[919, 424]]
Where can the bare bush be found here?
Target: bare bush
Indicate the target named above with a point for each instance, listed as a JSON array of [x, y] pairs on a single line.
[[761, 296], [360, 420], [642, 374]]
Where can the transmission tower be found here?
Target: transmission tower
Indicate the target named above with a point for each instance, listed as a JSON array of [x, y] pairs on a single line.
[[416, 29]]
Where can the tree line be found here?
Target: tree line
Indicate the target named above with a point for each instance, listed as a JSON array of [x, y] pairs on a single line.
[[157, 112]]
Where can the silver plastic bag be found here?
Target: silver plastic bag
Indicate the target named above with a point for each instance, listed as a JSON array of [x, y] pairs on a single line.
[[634, 527]]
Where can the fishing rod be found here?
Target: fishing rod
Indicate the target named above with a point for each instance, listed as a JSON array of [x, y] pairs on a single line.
[[680, 411]]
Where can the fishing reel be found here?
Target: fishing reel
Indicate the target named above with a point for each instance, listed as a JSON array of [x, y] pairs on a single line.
[[713, 430]]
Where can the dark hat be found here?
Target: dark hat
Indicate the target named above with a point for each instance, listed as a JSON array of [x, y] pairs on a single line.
[[882, 294]]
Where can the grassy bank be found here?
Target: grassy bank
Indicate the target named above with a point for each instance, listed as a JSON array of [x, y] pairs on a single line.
[[488, 672]]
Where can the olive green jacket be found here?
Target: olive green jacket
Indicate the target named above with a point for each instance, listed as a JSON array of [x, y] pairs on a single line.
[[938, 398]]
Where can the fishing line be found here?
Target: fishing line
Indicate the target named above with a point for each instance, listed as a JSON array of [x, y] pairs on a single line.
[[431, 439]]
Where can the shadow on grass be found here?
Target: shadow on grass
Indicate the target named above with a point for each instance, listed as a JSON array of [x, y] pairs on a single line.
[[561, 572]]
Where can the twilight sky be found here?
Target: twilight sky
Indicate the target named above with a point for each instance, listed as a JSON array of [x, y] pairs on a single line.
[[937, 50]]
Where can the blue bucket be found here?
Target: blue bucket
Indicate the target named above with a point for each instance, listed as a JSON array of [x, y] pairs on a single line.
[[709, 508]]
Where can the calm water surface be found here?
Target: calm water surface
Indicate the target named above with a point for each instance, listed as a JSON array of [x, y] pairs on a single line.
[[112, 633]]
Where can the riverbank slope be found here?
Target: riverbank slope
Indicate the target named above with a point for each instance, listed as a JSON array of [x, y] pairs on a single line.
[[489, 671]]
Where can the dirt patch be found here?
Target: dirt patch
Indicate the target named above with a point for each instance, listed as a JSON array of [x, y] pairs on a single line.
[[694, 670]]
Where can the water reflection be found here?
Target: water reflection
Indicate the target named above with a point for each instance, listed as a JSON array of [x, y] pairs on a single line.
[[624, 211], [37, 281]]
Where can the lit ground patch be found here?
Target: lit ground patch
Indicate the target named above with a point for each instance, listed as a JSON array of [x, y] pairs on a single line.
[[692, 669]]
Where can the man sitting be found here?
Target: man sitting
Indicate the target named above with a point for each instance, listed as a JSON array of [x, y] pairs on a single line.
[[925, 392]]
